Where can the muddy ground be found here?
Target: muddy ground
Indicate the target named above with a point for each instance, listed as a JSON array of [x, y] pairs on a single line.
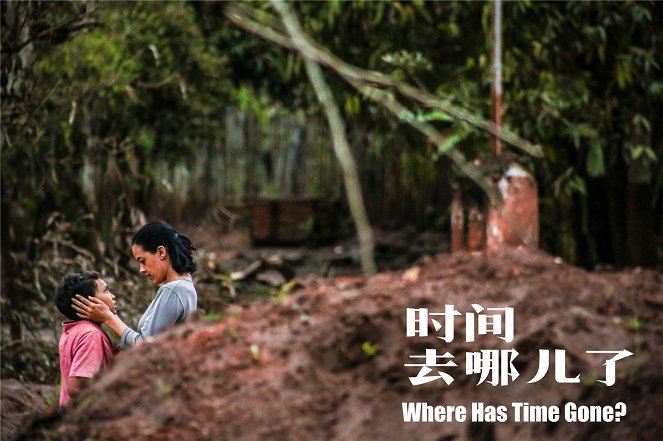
[[19, 401], [325, 360]]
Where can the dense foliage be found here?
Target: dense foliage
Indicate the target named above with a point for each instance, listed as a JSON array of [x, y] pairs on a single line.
[[583, 79], [123, 85]]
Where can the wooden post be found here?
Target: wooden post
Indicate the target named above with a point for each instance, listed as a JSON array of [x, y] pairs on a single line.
[[468, 217]]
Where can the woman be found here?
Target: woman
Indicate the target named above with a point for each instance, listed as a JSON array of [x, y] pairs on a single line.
[[165, 258]]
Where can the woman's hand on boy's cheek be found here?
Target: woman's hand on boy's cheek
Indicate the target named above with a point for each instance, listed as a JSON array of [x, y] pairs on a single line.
[[91, 308]]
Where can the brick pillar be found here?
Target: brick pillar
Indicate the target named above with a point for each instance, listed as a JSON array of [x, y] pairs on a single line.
[[515, 221]]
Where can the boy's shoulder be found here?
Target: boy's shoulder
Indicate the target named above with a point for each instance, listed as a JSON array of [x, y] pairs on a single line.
[[84, 332], [81, 327]]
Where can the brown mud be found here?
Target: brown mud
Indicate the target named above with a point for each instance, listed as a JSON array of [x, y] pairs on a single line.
[[326, 361], [20, 401]]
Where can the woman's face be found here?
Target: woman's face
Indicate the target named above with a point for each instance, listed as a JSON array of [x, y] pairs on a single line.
[[153, 265]]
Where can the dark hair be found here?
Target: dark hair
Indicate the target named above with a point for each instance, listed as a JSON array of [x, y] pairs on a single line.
[[75, 283], [151, 236]]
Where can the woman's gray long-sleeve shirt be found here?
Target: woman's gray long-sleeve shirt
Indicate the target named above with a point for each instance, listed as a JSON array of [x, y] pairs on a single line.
[[173, 303]]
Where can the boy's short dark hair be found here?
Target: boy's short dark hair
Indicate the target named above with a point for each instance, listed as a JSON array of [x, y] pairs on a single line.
[[83, 284]]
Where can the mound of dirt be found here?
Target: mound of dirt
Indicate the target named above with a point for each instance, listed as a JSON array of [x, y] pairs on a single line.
[[328, 363], [20, 401]]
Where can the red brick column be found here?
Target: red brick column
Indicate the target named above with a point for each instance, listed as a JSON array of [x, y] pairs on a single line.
[[515, 221]]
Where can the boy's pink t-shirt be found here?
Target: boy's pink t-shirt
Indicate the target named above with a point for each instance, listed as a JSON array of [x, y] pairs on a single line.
[[84, 350]]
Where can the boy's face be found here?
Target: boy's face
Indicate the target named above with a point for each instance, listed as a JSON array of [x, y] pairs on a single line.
[[104, 294]]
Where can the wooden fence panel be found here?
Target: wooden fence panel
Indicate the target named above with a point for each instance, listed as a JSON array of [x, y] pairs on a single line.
[[290, 155]]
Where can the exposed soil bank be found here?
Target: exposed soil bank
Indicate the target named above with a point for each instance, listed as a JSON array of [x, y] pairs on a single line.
[[328, 362]]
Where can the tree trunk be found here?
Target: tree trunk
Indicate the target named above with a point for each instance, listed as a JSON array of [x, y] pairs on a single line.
[[640, 223], [8, 282], [15, 64], [340, 143]]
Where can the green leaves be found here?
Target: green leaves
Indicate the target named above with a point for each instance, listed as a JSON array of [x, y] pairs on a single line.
[[369, 349], [624, 72], [656, 89], [409, 60], [595, 161], [569, 183], [643, 150], [451, 142]]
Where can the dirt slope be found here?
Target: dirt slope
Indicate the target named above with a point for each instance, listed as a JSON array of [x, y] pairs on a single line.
[[328, 363], [19, 401]]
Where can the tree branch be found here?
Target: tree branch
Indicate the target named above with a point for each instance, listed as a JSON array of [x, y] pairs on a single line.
[[341, 147], [67, 28], [433, 135], [247, 18], [364, 81]]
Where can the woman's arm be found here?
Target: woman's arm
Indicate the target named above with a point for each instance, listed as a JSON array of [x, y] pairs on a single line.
[[164, 311], [94, 309]]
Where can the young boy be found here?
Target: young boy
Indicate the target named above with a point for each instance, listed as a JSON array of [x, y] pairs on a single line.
[[84, 346]]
